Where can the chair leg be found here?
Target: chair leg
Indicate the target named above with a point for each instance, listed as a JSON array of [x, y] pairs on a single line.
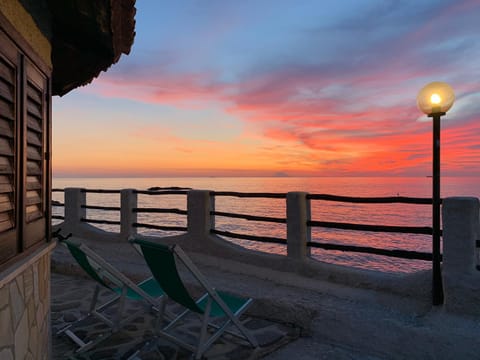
[[245, 332], [203, 331], [110, 302], [239, 325], [160, 314], [177, 319], [73, 336], [93, 303], [182, 315], [121, 306]]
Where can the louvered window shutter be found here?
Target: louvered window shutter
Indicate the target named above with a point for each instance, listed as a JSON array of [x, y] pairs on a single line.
[[8, 181], [24, 141], [35, 170]]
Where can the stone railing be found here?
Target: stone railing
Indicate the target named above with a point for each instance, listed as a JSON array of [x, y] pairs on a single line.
[[461, 232]]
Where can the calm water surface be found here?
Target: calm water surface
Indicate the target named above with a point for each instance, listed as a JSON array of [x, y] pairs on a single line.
[[381, 214]]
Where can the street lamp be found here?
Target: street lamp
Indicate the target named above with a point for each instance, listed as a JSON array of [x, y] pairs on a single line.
[[435, 99]]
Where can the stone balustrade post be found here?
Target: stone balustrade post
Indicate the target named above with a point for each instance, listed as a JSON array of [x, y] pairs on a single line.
[[128, 202], [74, 212], [461, 230], [199, 220], [298, 233]]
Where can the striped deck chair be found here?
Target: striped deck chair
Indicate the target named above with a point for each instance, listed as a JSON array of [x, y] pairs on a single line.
[[122, 288], [161, 260]]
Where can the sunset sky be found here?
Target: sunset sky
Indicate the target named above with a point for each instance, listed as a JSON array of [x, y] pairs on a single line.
[[278, 88]]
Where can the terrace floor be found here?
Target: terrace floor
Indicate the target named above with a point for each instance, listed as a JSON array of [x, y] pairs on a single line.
[[335, 321], [70, 300]]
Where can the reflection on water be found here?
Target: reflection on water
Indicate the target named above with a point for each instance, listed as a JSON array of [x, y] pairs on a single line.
[[377, 214]]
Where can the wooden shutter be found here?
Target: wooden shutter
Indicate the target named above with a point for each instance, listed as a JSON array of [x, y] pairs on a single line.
[[8, 234], [24, 140], [35, 196]]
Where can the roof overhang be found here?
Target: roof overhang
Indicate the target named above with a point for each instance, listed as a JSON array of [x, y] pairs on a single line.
[[88, 36]]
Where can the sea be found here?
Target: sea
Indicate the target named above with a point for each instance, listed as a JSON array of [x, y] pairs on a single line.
[[375, 214]]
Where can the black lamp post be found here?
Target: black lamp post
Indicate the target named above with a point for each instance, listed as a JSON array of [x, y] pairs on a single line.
[[435, 99]]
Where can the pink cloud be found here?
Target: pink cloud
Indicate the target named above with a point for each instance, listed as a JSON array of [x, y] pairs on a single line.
[[160, 87], [365, 114]]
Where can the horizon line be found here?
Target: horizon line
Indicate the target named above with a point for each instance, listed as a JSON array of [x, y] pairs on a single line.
[[248, 176]]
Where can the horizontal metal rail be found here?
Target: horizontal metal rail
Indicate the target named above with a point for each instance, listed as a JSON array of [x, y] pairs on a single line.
[[249, 195], [371, 200], [105, 208], [59, 217], [426, 230], [336, 225], [163, 192], [403, 254], [160, 227], [100, 191], [265, 239], [160, 211], [57, 203], [168, 188], [249, 217], [95, 221]]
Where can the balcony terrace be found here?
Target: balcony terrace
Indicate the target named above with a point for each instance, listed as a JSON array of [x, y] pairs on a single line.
[[340, 312]]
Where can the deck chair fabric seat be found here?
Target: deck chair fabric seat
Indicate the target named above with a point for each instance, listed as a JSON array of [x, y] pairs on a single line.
[[161, 260], [149, 286], [234, 303], [107, 276]]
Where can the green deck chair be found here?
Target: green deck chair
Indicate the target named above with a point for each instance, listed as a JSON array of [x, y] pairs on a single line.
[[161, 261], [123, 288]]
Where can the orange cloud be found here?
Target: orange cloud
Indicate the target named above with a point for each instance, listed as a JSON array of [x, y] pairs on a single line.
[[352, 114]]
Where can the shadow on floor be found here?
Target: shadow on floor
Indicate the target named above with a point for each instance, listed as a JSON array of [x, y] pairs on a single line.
[[70, 299]]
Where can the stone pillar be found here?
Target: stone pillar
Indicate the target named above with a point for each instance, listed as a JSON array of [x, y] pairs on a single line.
[[461, 280], [460, 232], [298, 233], [74, 199], [128, 202], [199, 220]]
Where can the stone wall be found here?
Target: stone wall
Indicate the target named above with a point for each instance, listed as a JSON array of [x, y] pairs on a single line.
[[25, 309]]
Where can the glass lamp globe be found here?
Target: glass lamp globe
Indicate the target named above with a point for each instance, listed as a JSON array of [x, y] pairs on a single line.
[[436, 97]]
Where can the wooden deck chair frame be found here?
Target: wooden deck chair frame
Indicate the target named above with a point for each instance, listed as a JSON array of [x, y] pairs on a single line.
[[161, 261], [109, 277]]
